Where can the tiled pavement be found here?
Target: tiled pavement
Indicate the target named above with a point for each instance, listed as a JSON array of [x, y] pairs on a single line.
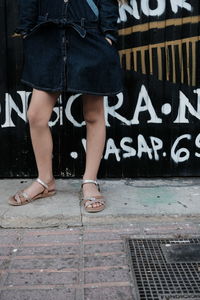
[[79, 263]]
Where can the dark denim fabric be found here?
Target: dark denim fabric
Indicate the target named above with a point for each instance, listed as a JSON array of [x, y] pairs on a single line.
[[65, 47]]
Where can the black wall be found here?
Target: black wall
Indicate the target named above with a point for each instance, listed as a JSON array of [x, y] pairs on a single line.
[[152, 130]]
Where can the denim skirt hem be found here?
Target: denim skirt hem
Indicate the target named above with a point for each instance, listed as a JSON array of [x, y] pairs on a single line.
[[75, 91], [41, 88]]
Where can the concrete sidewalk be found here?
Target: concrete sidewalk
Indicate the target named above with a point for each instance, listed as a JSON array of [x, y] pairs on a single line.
[[156, 200]]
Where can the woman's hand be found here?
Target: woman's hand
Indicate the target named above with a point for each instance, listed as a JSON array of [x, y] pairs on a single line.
[[109, 40]]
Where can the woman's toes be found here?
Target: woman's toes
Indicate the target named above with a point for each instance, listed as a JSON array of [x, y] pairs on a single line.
[[97, 204]]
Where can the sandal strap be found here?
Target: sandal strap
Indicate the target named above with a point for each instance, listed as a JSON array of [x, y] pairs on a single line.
[[42, 183], [26, 196], [22, 194], [88, 181]]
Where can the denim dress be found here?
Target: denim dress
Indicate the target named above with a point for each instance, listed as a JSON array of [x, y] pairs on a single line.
[[64, 46]]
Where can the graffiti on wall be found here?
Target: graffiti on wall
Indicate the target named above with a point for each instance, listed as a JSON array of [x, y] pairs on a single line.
[[153, 128], [153, 146], [167, 47]]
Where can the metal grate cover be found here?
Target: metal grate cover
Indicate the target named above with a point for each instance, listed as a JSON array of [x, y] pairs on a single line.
[[182, 253], [164, 269]]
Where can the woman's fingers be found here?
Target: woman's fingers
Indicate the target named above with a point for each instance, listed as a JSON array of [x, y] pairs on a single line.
[[109, 40]]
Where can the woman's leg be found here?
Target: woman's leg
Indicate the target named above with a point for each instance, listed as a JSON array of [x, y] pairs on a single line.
[[39, 113], [93, 111]]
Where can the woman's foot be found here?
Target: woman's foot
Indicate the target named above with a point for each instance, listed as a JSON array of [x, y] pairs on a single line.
[[32, 191], [91, 190], [36, 188]]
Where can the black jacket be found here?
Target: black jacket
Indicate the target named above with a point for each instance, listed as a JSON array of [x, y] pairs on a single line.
[[105, 11], [78, 24]]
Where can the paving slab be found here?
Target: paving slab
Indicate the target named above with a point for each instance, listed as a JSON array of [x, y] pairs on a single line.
[[127, 200], [37, 267]]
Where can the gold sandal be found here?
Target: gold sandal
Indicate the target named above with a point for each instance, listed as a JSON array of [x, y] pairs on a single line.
[[22, 198], [86, 201]]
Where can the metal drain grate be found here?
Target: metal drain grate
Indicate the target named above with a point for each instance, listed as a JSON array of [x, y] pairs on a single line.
[[164, 269]]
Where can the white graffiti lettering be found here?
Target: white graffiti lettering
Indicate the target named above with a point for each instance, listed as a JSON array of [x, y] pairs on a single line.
[[129, 150], [111, 149], [176, 4], [158, 11], [181, 154], [143, 110], [143, 147], [143, 96], [197, 143], [157, 144], [182, 112], [133, 8], [11, 106]]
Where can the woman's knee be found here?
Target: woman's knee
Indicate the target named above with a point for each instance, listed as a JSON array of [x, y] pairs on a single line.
[[41, 107], [93, 116], [93, 108], [36, 119]]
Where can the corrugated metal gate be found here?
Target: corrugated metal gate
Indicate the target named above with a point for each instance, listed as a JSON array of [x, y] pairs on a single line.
[[152, 130]]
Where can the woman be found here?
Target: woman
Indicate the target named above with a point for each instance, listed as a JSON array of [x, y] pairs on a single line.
[[69, 45]]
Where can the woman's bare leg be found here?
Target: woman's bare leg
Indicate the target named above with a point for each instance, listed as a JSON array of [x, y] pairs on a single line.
[[93, 111], [39, 113]]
